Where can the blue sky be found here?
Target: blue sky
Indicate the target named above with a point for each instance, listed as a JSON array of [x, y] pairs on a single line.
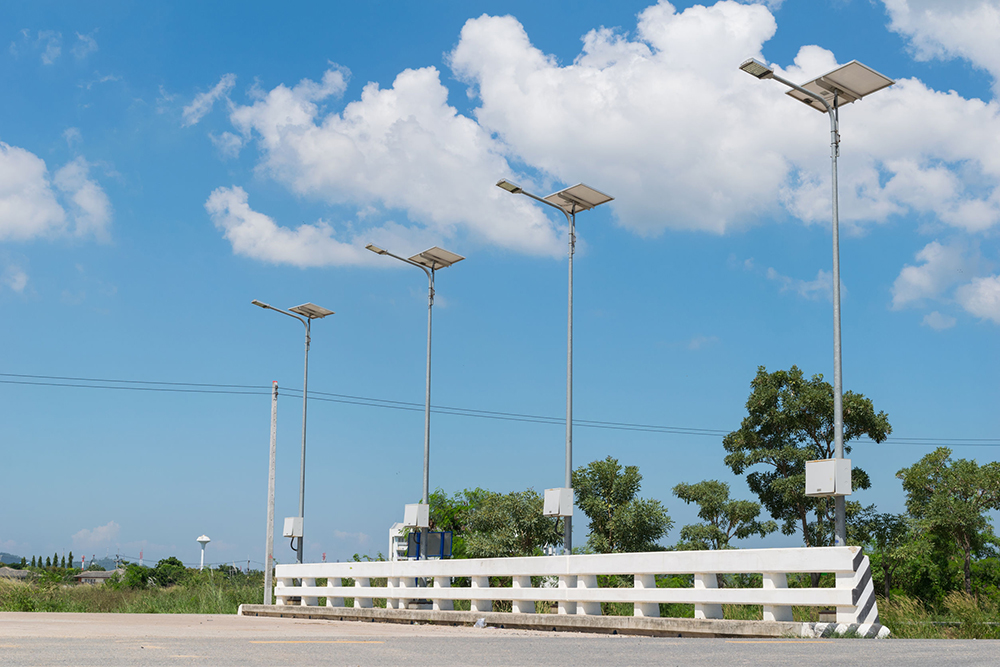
[[162, 164]]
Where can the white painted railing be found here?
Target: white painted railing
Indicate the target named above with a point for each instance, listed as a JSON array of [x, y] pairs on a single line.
[[578, 592]]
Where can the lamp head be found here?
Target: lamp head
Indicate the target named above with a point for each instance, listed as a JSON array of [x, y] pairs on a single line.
[[758, 69], [260, 303], [504, 184], [375, 249]]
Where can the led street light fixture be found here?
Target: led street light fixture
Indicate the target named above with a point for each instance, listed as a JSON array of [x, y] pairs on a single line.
[[758, 69], [375, 249], [508, 186], [260, 303]]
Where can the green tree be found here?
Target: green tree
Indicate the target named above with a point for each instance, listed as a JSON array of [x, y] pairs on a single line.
[[889, 536], [505, 525], [790, 421], [619, 521], [70, 559], [453, 513], [48, 562], [169, 571], [63, 563], [724, 519], [951, 497], [55, 559], [24, 562], [32, 561]]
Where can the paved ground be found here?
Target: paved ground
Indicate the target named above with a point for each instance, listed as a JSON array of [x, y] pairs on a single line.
[[109, 640]]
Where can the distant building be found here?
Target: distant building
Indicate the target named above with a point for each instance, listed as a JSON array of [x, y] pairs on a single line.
[[397, 542], [96, 576], [11, 573]]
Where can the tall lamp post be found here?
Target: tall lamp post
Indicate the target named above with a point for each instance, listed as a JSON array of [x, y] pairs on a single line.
[[429, 261], [569, 201], [826, 94], [305, 314]]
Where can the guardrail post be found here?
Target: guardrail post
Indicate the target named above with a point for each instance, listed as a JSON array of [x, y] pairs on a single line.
[[308, 601], [523, 606], [862, 590], [772, 581], [334, 582], [279, 594], [587, 608], [646, 609], [702, 582], [566, 583], [359, 602], [439, 604], [476, 603]]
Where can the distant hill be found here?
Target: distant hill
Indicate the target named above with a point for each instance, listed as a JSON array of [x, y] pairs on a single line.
[[9, 558], [107, 563]]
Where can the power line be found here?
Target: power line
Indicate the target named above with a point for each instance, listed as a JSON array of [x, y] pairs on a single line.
[[365, 401]]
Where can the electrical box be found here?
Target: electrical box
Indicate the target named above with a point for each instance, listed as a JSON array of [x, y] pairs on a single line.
[[558, 502], [828, 477], [293, 526], [417, 515]]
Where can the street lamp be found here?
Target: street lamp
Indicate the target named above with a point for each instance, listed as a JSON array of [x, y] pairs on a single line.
[[579, 197], [305, 313], [827, 93], [428, 261]]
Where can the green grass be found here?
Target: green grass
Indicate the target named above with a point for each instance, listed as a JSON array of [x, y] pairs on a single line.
[[204, 593]]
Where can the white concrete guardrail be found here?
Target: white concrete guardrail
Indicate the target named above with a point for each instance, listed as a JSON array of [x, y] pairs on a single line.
[[578, 593]]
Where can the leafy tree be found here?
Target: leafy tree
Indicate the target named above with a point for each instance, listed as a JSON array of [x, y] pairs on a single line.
[[63, 566], [48, 562], [24, 562], [55, 559], [889, 535], [505, 525], [951, 497], [32, 561], [724, 519], [790, 421], [169, 571], [453, 513], [70, 559], [619, 521]]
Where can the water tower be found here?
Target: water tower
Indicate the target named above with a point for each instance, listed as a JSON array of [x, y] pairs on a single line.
[[203, 540]]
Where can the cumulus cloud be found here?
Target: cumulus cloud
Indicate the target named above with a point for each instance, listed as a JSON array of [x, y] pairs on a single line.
[[203, 102], [51, 42], [950, 29], [981, 298], [938, 322], [30, 206], [397, 149], [941, 267], [96, 537]]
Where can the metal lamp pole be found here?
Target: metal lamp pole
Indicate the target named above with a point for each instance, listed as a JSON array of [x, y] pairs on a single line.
[[305, 314], [845, 84], [577, 198], [429, 262]]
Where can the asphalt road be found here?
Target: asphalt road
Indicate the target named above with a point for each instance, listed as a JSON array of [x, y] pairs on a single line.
[[110, 640]]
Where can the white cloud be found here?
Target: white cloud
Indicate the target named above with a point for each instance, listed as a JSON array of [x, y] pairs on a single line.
[[401, 148], [28, 205], [52, 43], [942, 267], [96, 537], [72, 136], [938, 322], [227, 143], [257, 236], [946, 29], [90, 205], [981, 297], [15, 278], [85, 45], [822, 286], [203, 102]]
